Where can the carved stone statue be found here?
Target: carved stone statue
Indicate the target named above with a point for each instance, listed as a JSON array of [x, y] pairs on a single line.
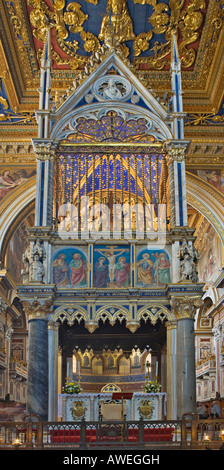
[[33, 269], [188, 262], [36, 269]]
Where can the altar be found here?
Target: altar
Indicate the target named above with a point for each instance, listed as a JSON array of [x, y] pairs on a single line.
[[105, 406]]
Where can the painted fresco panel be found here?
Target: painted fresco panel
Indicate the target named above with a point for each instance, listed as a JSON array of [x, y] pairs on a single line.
[[215, 177], [210, 256], [69, 267], [12, 178], [111, 266], [153, 267]]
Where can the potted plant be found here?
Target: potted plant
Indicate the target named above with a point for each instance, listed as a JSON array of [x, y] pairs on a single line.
[[152, 387], [71, 388]]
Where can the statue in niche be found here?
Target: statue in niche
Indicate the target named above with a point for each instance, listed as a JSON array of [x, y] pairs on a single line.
[[117, 22], [33, 270], [36, 269], [188, 262]]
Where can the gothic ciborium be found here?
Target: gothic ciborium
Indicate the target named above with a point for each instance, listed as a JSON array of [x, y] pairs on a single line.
[[78, 409], [145, 409]]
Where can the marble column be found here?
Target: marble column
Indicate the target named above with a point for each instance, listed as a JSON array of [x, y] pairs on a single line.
[[59, 369], [37, 372], [186, 377], [171, 370], [185, 308], [53, 370]]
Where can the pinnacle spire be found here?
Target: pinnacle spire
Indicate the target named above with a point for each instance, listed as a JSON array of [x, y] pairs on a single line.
[[176, 89], [45, 89]]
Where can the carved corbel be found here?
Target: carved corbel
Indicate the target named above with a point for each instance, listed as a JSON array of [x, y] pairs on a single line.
[[132, 325]]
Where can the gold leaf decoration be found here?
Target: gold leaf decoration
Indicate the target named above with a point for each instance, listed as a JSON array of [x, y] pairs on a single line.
[[4, 102], [92, 43], [74, 17], [187, 20], [141, 43], [95, 2], [117, 28], [160, 19], [117, 21]]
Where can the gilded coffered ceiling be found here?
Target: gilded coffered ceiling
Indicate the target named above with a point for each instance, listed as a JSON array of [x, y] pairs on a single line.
[[142, 31]]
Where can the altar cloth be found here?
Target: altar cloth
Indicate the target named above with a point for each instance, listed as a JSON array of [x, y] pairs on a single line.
[[92, 402]]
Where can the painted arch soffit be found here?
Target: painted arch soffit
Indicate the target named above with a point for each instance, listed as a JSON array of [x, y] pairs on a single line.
[[206, 200]]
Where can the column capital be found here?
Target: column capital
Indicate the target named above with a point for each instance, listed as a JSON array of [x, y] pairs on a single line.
[[171, 325], [44, 149], [37, 310], [185, 306], [53, 325], [176, 150]]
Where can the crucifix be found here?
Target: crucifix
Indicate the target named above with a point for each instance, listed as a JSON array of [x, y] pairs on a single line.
[[110, 253]]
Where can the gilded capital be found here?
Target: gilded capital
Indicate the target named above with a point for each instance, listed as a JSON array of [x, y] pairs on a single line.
[[186, 306], [176, 153], [45, 152], [37, 310], [52, 325], [171, 325]]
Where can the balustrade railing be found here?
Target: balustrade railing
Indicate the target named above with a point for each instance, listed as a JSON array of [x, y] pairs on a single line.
[[188, 433]]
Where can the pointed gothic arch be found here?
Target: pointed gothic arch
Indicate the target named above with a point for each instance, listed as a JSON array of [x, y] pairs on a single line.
[[154, 313]]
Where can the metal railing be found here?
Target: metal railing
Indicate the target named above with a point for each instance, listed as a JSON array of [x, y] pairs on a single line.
[[188, 433]]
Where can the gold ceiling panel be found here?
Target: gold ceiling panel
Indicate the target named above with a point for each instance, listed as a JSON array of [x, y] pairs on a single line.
[[199, 23]]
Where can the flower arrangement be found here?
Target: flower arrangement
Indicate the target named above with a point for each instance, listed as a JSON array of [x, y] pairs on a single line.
[[71, 388], [152, 387]]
